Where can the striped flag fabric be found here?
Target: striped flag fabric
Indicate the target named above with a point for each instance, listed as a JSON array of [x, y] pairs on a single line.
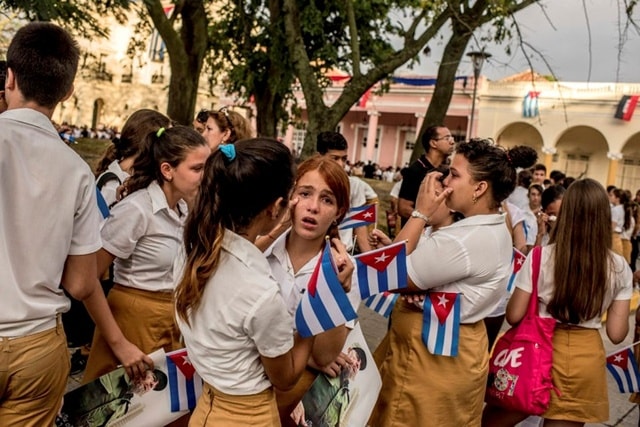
[[626, 107], [516, 261], [441, 323], [325, 305], [359, 216], [382, 269], [185, 385], [623, 368], [530, 104], [382, 303], [157, 47]]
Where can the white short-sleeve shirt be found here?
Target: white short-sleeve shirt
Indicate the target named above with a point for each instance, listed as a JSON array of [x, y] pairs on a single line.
[[48, 210], [395, 190], [519, 197], [471, 256], [110, 188], [620, 283], [530, 227], [144, 235], [617, 217], [294, 285], [240, 317], [357, 197]]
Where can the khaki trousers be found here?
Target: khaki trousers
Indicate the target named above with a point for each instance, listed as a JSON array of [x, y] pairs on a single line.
[[145, 318], [33, 378], [216, 408]]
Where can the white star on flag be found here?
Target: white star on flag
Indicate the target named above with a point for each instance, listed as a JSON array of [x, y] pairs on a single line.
[[520, 261], [442, 300], [618, 358], [381, 258], [367, 215], [185, 360]]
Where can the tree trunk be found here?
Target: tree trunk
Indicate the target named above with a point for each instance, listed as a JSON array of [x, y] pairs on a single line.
[[267, 103], [320, 116], [445, 82], [270, 85], [186, 50]]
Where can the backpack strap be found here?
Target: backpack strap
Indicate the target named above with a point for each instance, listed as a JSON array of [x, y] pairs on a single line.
[[535, 273], [106, 177], [102, 204]]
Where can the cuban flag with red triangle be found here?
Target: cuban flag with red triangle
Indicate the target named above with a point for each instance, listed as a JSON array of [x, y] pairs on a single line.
[[325, 305], [382, 270], [185, 385], [623, 368], [357, 217], [516, 262], [441, 323]]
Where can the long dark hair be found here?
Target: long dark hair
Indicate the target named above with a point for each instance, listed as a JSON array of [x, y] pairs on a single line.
[[582, 254], [137, 127], [168, 146], [232, 194]]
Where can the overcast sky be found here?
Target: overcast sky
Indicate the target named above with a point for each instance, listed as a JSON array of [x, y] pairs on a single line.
[[564, 40]]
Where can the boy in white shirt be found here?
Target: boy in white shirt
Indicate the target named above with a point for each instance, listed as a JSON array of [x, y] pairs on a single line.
[[49, 222]]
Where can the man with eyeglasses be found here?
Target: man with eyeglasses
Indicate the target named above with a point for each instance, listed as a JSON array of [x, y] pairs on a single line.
[[438, 145]]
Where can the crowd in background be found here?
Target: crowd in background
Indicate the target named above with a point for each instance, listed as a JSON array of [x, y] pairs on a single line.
[[206, 238]]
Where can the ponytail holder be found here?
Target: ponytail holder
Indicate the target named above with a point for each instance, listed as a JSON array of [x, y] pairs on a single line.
[[508, 158], [229, 151], [160, 132]]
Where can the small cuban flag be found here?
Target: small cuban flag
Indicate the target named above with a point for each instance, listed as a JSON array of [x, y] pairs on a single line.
[[624, 369], [382, 269], [357, 217], [516, 261], [325, 305], [441, 323], [185, 385], [530, 104], [382, 303]]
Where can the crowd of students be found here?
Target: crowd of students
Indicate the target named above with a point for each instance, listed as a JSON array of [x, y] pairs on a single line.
[[213, 236]]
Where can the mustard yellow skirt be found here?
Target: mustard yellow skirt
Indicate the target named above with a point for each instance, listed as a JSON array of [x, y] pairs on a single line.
[[420, 389], [579, 373], [215, 408], [145, 318], [616, 244]]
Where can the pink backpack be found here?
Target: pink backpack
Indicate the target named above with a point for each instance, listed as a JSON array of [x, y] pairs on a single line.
[[520, 366]]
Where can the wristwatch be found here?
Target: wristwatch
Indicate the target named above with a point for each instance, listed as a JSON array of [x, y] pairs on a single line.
[[418, 214]]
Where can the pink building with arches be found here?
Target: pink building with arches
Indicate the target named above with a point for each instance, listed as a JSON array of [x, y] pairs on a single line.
[[570, 124]]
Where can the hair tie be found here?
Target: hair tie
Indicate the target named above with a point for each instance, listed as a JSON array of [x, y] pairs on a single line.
[[229, 151], [508, 158], [160, 132]]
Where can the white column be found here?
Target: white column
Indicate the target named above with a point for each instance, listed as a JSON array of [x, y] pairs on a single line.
[[372, 133], [288, 137], [419, 122]]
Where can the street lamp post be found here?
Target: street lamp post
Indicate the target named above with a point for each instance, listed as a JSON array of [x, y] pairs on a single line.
[[477, 60]]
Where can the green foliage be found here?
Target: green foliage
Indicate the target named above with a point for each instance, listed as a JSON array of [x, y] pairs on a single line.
[[82, 17], [250, 58]]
